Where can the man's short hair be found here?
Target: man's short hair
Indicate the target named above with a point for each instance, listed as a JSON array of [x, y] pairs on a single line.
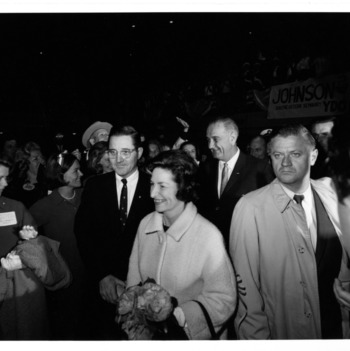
[[126, 130], [293, 130], [228, 122]]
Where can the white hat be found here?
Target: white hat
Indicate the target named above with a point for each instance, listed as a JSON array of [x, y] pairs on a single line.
[[95, 126]]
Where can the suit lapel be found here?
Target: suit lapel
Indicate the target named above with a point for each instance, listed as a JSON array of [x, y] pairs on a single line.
[[112, 197], [236, 174], [139, 194], [216, 178]]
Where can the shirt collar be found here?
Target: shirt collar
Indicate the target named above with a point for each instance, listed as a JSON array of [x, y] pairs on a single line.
[[232, 161], [307, 193], [132, 177], [280, 194]]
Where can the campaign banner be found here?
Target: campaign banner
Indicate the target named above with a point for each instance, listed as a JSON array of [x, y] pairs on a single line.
[[324, 97]]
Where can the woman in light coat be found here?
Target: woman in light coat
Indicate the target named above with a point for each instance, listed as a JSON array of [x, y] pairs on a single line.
[[182, 251]]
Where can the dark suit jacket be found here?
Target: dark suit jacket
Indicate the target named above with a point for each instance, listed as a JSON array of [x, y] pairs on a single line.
[[249, 174], [103, 247]]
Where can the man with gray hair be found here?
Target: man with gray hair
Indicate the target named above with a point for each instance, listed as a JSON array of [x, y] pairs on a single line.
[[228, 175], [287, 248]]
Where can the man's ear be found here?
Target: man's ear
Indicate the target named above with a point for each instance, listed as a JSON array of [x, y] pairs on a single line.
[[233, 137], [313, 156], [139, 152], [92, 141]]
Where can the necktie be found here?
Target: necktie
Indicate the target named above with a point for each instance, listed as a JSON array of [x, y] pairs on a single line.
[[124, 204], [298, 199], [224, 178]]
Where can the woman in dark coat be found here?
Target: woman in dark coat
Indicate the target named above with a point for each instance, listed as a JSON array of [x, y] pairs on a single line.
[[55, 216]]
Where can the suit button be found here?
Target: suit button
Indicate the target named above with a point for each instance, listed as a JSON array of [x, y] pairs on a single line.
[[217, 208], [301, 249], [308, 314]]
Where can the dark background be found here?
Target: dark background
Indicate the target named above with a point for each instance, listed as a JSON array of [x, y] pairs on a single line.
[[61, 72]]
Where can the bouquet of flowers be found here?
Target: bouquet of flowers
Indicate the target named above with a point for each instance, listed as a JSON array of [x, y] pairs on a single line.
[[145, 310]]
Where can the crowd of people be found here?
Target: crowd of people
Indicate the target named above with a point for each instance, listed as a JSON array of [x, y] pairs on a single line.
[[256, 238]]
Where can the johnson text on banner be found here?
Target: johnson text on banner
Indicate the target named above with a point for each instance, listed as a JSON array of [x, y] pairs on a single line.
[[323, 97]]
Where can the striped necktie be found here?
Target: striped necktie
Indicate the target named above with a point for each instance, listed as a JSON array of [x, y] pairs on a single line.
[[224, 178]]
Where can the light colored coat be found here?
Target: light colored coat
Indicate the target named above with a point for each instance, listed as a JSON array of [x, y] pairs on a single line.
[[275, 264], [190, 261]]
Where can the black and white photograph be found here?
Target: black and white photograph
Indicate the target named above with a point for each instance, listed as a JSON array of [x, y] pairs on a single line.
[[174, 174]]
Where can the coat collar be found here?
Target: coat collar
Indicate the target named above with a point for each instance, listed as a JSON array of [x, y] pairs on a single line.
[[324, 188], [282, 200], [177, 229]]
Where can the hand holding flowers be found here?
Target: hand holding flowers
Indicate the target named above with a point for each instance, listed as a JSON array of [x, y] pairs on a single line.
[[144, 311]]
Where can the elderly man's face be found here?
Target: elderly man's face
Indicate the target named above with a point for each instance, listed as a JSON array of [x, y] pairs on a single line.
[[322, 133], [291, 159], [258, 148], [221, 142]]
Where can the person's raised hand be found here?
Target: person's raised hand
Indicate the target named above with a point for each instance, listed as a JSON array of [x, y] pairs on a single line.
[[28, 232]]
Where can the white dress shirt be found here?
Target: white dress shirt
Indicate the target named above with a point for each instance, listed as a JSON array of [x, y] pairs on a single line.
[[230, 165], [310, 211], [131, 184]]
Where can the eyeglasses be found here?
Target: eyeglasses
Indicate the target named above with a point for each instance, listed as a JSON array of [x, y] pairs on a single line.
[[124, 153]]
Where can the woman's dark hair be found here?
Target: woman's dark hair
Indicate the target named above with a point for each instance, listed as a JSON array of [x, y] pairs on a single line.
[[95, 155], [31, 146], [189, 142], [339, 164], [57, 166], [184, 170]]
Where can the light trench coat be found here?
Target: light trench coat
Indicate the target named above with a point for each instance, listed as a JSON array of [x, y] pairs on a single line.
[[275, 264], [191, 263]]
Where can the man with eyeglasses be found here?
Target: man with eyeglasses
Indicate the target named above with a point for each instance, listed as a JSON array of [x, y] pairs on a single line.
[[112, 206]]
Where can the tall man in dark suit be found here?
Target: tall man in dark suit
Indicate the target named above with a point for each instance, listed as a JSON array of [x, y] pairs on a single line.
[[111, 209], [229, 175]]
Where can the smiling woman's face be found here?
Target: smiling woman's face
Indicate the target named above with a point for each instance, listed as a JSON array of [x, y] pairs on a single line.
[[163, 193], [73, 175]]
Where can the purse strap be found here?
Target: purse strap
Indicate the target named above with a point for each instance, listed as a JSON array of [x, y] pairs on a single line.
[[214, 336]]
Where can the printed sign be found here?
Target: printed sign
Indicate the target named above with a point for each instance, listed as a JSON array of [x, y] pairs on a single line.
[[324, 97], [8, 218]]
